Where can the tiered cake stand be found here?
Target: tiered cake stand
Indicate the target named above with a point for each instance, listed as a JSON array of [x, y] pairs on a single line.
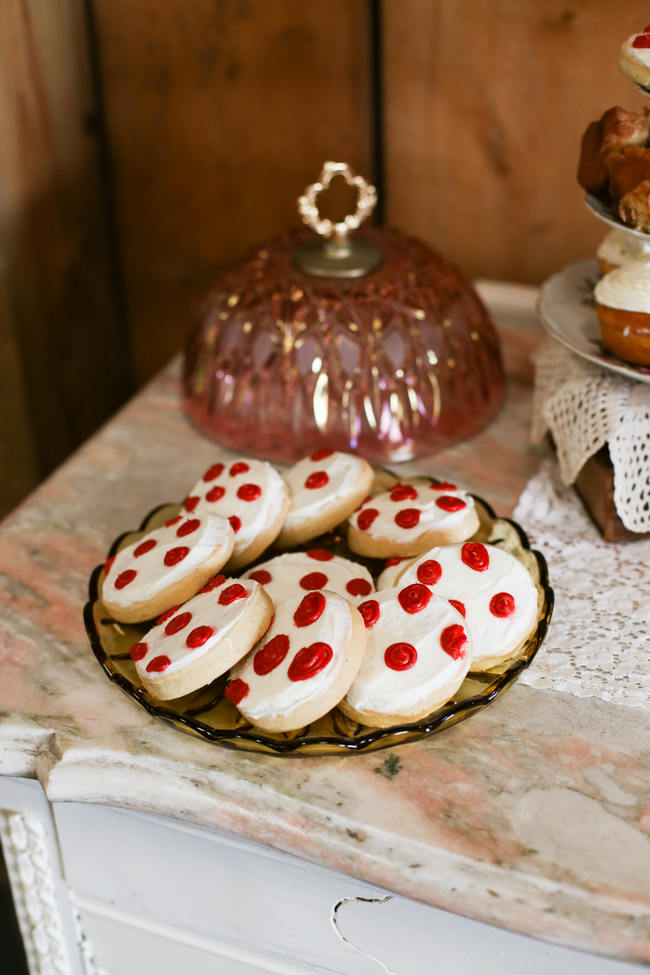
[[566, 304]]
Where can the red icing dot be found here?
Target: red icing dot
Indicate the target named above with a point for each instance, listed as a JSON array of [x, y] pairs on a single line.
[[249, 492], [393, 560], [191, 502], [177, 623], [407, 517], [403, 492], [429, 572], [125, 578], [320, 554], [145, 547], [310, 661], [321, 454], [475, 555], [214, 583], [400, 656], [260, 575], [167, 615], [235, 523], [231, 593], [271, 654], [310, 608], [108, 563], [173, 521], [457, 605], [443, 486], [188, 527], [198, 636], [366, 518], [138, 651], [370, 612], [158, 664], [453, 640], [317, 480], [175, 555], [642, 40], [236, 690], [239, 468], [450, 503], [358, 587], [414, 598], [213, 472], [502, 605], [215, 493], [313, 580]]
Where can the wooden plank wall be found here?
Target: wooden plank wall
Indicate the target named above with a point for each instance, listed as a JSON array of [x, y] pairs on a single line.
[[144, 146], [65, 350], [485, 105], [219, 116]]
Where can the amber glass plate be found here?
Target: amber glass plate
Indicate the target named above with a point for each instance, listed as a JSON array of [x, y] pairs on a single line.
[[210, 715]]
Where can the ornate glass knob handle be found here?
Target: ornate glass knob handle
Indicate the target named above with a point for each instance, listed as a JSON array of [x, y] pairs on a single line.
[[338, 256], [308, 206]]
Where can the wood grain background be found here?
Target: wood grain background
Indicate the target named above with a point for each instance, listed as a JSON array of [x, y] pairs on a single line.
[[144, 146]]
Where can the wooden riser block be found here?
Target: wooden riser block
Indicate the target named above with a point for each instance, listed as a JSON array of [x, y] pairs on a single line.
[[595, 485]]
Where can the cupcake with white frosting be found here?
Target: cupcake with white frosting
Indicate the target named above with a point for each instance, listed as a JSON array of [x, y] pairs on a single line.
[[623, 305], [634, 59], [619, 246]]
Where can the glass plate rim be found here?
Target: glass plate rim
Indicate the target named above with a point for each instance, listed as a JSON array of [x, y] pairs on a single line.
[[341, 745]]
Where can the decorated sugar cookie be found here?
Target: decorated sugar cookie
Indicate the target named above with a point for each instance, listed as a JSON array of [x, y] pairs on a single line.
[[193, 644], [325, 488], [303, 666], [418, 654], [317, 568], [393, 568], [165, 567], [408, 520], [251, 495], [489, 587]]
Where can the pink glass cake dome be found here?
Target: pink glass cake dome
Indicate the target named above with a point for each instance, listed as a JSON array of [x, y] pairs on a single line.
[[372, 342]]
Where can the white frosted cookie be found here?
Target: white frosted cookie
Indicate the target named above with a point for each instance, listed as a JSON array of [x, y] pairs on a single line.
[[393, 568], [165, 567], [297, 572], [418, 654], [251, 495], [193, 644], [492, 590], [408, 520], [303, 666], [325, 488]]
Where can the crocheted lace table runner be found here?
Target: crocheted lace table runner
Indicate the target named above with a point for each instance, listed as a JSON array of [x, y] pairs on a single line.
[[585, 407], [598, 644]]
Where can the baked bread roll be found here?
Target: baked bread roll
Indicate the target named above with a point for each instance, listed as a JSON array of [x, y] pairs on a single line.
[[616, 130]]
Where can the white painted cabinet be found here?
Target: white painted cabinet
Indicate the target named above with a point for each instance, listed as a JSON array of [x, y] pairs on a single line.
[[105, 891]]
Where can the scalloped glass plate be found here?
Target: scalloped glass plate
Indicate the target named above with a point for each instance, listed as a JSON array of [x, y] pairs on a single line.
[[208, 714]]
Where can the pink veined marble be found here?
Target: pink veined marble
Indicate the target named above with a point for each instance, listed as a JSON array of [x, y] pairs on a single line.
[[398, 363]]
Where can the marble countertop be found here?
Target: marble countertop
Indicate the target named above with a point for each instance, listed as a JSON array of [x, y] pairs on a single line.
[[532, 815]]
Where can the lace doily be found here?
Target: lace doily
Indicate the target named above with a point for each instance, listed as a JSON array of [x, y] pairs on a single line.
[[598, 644], [585, 407]]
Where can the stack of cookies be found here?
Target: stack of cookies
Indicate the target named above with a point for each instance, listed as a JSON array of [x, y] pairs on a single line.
[[307, 630]]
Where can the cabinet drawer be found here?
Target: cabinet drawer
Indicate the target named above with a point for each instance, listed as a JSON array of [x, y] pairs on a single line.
[[206, 884]]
